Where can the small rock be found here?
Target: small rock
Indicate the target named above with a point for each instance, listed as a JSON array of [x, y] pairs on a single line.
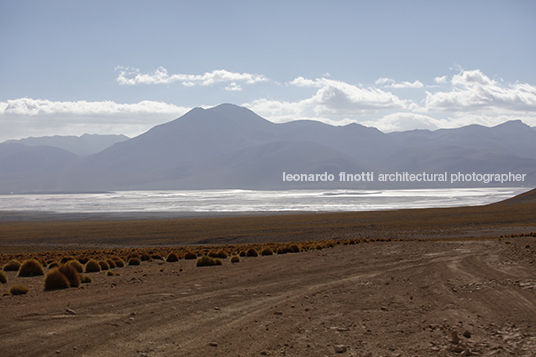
[[70, 311], [278, 312], [455, 339], [213, 344], [384, 308], [340, 348], [467, 334]]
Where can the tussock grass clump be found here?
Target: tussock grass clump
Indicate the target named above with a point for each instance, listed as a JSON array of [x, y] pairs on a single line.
[[134, 261], [92, 266], [55, 279], [67, 259], [18, 289], [252, 252], [190, 255], [3, 277], [267, 251], [104, 265], [235, 259], [119, 262], [205, 260], [53, 265], [146, 257], [71, 274], [111, 263], [218, 254], [172, 257], [85, 279], [76, 265], [111, 273], [12, 265], [31, 267]]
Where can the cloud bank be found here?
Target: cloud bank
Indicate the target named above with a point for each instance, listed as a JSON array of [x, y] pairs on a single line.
[[467, 97], [132, 76]]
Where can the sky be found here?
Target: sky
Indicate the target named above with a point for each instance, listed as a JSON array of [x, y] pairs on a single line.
[[122, 67]]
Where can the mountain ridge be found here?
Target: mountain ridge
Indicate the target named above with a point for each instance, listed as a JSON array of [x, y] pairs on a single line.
[[228, 146]]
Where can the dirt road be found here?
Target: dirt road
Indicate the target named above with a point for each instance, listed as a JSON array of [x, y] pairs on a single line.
[[373, 299]]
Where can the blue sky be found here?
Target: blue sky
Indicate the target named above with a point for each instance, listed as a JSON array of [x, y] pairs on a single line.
[[73, 67]]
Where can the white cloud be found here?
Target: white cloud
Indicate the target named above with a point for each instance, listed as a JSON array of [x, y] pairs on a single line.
[[391, 83], [441, 79], [405, 121], [473, 91], [38, 117], [233, 87], [132, 76]]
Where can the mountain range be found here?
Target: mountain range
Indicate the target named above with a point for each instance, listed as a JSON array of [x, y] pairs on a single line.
[[228, 146]]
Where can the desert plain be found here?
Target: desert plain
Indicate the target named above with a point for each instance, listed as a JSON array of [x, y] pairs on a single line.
[[424, 282]]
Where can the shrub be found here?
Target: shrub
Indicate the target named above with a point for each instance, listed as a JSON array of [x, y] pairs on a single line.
[[3, 277], [267, 251], [190, 255], [111, 263], [295, 248], [134, 261], [85, 279], [31, 267], [67, 259], [242, 253], [172, 257], [92, 266], [119, 263], [56, 280], [146, 257], [104, 265], [111, 273], [18, 289], [252, 253], [12, 265], [235, 259], [76, 265], [71, 274], [205, 260], [53, 265]]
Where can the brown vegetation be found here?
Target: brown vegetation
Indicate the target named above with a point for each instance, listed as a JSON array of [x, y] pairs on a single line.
[[31, 267]]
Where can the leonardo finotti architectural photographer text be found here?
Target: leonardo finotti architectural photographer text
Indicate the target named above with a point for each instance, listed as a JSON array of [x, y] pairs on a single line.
[[405, 177]]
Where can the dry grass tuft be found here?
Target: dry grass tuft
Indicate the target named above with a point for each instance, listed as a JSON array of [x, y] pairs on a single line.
[[104, 265], [267, 251], [3, 277], [190, 255], [55, 279], [12, 265], [119, 262], [134, 261], [76, 265], [111, 263], [71, 274], [18, 289], [235, 259], [205, 260], [172, 257], [92, 266], [252, 252], [31, 267], [85, 279]]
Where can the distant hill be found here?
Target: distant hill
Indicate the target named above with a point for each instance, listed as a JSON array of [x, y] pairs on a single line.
[[84, 145], [232, 147], [526, 197]]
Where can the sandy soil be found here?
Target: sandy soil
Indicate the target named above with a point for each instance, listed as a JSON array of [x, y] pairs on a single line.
[[373, 299]]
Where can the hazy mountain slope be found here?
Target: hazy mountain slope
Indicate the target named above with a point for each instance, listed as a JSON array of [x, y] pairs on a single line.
[[263, 165], [510, 138], [84, 145], [231, 147], [22, 167]]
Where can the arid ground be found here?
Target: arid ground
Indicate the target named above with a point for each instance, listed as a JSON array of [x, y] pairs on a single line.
[[434, 282]]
